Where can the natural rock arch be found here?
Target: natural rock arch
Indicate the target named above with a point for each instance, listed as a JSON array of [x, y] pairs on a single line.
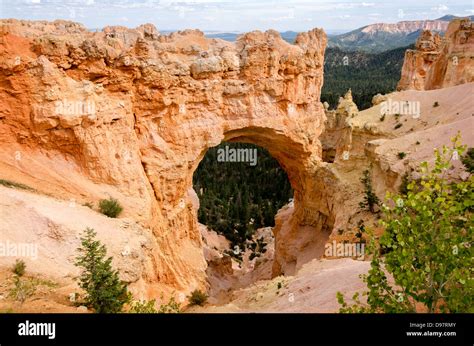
[[295, 159], [159, 103]]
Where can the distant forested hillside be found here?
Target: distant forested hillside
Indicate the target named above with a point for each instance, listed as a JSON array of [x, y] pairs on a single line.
[[237, 198], [366, 74]]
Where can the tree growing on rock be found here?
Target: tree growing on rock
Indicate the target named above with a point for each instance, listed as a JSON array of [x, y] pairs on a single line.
[[370, 201], [427, 244], [104, 291]]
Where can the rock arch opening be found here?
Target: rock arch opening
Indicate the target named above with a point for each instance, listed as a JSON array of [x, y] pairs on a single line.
[[301, 229], [240, 187]]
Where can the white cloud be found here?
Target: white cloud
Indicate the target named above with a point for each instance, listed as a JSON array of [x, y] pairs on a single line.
[[440, 8], [233, 15]]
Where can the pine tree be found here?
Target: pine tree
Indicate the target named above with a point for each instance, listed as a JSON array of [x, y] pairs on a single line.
[[370, 198], [105, 292]]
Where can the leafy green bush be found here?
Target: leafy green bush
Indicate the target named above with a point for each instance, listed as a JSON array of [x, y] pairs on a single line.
[[427, 244], [22, 289], [197, 298], [143, 307], [110, 207], [19, 268], [148, 307], [436, 104], [105, 292], [172, 307]]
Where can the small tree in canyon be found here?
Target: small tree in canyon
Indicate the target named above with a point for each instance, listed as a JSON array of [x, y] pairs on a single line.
[[427, 244], [105, 292], [370, 201]]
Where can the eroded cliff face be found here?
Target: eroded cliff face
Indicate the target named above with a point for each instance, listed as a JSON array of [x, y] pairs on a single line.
[[130, 113], [439, 63]]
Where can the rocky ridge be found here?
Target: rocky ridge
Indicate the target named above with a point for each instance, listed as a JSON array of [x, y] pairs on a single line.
[[440, 62]]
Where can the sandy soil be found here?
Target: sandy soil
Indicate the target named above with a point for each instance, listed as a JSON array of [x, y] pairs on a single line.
[[312, 289]]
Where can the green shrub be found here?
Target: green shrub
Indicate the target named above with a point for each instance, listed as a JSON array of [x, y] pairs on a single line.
[[427, 244], [148, 307], [105, 292], [172, 307], [110, 207], [360, 229], [143, 307], [22, 289], [382, 118], [401, 155], [19, 268], [436, 104], [397, 126], [197, 298]]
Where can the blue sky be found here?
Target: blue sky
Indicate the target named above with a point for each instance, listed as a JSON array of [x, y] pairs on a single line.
[[234, 15]]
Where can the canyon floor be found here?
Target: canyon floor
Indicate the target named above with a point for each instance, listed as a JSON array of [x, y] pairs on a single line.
[[312, 289]]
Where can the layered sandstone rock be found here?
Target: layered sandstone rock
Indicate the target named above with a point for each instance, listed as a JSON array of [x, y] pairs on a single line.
[[336, 138], [438, 63], [130, 113]]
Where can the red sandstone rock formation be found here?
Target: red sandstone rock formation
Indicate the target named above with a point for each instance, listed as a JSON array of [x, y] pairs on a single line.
[[130, 113], [438, 63]]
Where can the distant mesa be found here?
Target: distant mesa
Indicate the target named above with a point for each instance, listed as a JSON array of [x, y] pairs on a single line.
[[440, 62], [383, 36]]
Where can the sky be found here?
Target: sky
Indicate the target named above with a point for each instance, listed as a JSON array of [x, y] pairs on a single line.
[[234, 15]]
